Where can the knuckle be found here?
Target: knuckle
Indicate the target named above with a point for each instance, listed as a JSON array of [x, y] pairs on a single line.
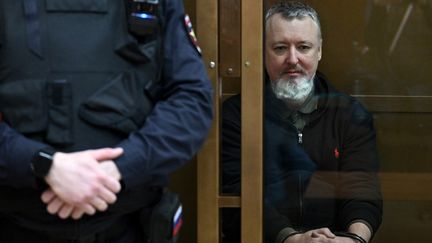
[[93, 191], [101, 178], [88, 197], [77, 200]]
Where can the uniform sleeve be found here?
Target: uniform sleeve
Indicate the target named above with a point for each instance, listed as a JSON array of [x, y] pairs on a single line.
[[180, 120], [16, 152]]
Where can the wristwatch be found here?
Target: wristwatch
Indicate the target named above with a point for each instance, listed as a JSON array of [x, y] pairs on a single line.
[[42, 162]]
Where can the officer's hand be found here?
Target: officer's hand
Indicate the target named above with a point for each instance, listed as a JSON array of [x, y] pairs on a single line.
[[79, 180], [55, 205], [111, 169]]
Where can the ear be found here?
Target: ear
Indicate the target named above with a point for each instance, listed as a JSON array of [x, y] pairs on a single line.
[[320, 51]]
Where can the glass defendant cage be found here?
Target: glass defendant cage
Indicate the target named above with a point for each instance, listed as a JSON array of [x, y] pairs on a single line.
[[379, 51]]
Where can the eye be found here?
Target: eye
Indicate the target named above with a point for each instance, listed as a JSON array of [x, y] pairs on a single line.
[[304, 48], [279, 49]]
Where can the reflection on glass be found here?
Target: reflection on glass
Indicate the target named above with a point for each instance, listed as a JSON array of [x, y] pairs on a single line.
[[394, 57]]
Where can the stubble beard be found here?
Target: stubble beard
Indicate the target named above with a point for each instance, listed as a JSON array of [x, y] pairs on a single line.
[[293, 91]]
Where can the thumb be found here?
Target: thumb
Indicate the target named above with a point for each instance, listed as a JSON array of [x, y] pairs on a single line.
[[106, 153]]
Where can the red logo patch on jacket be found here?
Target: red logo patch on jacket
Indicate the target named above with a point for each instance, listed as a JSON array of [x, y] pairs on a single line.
[[336, 153]]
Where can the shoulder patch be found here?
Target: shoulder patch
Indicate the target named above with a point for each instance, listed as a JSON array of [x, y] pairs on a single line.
[[191, 33]]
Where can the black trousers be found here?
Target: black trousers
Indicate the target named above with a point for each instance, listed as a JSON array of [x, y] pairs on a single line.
[[127, 230]]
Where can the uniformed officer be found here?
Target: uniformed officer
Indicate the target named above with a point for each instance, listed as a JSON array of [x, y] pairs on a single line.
[[99, 102]]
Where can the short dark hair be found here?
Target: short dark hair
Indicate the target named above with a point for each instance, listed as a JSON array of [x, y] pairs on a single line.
[[290, 10]]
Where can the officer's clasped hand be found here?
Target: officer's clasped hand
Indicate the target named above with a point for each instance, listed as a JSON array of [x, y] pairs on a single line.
[[82, 182]]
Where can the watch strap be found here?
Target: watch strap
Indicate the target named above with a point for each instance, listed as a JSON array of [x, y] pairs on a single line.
[[42, 161]]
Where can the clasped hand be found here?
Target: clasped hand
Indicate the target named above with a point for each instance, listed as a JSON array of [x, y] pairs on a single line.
[[322, 235], [82, 182]]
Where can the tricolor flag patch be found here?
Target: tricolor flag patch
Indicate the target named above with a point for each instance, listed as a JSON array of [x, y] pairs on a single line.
[[191, 33], [177, 221]]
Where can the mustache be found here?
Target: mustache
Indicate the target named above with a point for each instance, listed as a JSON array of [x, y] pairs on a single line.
[[291, 70]]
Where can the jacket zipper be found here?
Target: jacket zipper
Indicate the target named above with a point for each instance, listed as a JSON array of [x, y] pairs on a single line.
[[300, 141], [300, 136]]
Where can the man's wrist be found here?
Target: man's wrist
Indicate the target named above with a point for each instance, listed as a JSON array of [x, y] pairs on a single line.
[[42, 162], [285, 233], [355, 237]]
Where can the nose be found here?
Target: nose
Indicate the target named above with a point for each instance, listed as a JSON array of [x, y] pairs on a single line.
[[292, 58]]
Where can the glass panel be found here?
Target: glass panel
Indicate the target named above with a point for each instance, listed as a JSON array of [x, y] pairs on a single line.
[[321, 154], [394, 54], [230, 225], [378, 51]]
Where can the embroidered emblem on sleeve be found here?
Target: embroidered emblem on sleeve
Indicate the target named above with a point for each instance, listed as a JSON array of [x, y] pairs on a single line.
[[191, 33]]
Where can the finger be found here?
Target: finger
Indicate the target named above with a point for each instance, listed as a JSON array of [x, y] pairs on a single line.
[[65, 211], [99, 204], [107, 195], [106, 153], [326, 232], [314, 234], [110, 168], [47, 196], [112, 184], [77, 213], [87, 209], [55, 205]]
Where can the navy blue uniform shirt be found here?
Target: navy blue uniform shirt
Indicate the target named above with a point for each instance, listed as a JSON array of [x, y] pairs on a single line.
[[172, 133]]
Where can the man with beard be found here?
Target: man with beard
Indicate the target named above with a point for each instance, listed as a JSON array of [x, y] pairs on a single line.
[[320, 155]]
